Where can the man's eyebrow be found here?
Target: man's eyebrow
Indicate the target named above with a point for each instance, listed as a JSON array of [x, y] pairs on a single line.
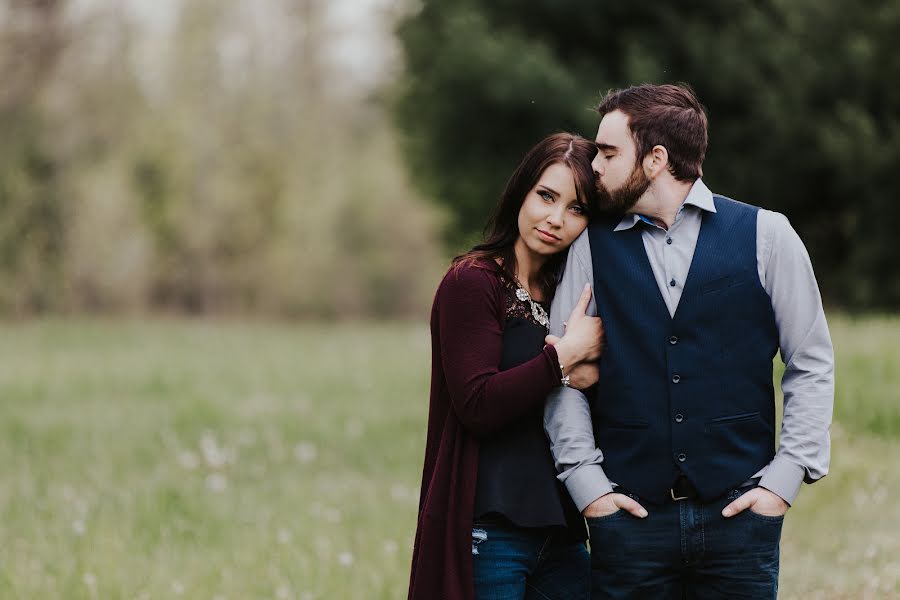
[[602, 147], [549, 189]]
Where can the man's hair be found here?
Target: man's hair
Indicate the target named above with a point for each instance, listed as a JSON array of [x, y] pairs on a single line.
[[664, 115]]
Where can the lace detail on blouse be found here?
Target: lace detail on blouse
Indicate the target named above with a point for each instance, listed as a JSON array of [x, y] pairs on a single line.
[[514, 306]]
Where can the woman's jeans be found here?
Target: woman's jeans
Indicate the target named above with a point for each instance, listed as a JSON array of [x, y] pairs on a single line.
[[515, 563]]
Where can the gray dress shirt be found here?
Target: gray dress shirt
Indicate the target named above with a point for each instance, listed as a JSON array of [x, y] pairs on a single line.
[[786, 274]]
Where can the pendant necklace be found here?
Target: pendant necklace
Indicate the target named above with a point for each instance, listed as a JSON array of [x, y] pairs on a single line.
[[537, 311]]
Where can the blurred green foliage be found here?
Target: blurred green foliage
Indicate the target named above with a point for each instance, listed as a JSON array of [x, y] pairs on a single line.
[[803, 98], [213, 167]]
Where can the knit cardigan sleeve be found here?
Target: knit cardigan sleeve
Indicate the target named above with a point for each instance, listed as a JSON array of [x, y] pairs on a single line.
[[471, 310]]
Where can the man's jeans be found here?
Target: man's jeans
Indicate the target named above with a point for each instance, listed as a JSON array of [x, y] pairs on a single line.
[[685, 550], [512, 563]]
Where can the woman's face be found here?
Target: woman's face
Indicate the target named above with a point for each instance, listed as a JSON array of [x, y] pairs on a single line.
[[551, 217]]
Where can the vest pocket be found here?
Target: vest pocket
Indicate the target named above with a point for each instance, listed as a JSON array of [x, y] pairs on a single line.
[[627, 424], [734, 419]]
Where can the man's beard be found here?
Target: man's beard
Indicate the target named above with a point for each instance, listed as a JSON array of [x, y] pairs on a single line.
[[621, 200]]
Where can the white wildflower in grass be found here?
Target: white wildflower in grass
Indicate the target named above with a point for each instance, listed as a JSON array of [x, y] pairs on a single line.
[[177, 588], [283, 592], [400, 493], [283, 536], [188, 460], [78, 527], [354, 428], [390, 547], [89, 580], [345, 559], [213, 454], [305, 452], [216, 482]]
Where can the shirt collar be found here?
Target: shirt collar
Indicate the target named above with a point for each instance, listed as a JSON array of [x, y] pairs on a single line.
[[699, 196]]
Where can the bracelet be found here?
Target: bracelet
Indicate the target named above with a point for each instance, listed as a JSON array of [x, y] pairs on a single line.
[[565, 378]]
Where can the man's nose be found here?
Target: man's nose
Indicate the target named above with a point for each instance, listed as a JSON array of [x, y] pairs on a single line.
[[595, 164]]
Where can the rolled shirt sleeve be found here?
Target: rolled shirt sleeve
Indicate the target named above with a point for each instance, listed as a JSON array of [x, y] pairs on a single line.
[[567, 415], [804, 446]]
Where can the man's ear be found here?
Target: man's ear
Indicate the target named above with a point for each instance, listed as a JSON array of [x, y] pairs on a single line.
[[656, 161]]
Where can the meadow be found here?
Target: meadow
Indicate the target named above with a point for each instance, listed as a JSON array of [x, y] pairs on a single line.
[[225, 460]]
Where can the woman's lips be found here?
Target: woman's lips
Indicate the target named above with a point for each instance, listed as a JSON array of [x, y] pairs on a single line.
[[548, 237]]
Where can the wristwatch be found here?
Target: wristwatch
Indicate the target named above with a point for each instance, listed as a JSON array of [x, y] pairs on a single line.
[[565, 378]]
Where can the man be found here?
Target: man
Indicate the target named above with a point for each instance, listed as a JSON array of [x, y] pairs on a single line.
[[697, 292]]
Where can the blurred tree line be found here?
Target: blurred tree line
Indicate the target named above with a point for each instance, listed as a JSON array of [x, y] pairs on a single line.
[[234, 175], [803, 98]]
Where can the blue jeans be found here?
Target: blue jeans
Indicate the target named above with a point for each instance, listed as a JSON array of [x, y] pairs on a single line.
[[685, 551], [512, 563]]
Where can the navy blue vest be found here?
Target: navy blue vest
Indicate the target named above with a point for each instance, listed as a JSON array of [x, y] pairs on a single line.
[[693, 393]]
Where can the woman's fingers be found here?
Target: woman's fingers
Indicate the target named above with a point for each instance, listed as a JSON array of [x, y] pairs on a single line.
[[581, 306]]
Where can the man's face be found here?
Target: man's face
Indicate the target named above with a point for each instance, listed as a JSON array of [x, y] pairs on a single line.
[[621, 180]]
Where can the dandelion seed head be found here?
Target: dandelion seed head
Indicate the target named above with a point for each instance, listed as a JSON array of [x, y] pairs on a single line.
[[390, 547], [216, 482], [78, 527], [177, 588], [283, 536], [283, 592], [89, 580], [305, 452], [345, 559]]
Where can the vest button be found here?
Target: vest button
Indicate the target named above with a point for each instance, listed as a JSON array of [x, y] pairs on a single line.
[[672, 283], [682, 457], [669, 241], [676, 378], [679, 418], [673, 340]]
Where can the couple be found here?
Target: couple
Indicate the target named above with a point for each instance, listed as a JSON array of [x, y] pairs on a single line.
[[660, 412]]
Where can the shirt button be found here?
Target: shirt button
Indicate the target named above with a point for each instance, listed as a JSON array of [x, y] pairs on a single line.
[[672, 283], [673, 340], [669, 240], [682, 457], [676, 378], [679, 418]]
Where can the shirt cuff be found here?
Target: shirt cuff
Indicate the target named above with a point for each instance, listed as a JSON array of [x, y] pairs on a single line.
[[783, 478], [587, 483]]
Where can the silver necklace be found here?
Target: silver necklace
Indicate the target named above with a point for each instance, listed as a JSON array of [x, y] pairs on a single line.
[[537, 311]]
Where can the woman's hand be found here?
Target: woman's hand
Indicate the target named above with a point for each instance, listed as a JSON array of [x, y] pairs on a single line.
[[584, 375], [584, 337]]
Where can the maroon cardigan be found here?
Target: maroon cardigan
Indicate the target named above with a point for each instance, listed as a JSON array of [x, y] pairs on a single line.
[[470, 398]]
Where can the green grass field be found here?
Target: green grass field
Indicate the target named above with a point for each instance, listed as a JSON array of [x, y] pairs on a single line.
[[241, 460]]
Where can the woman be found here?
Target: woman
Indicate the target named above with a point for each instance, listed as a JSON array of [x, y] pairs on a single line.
[[493, 520]]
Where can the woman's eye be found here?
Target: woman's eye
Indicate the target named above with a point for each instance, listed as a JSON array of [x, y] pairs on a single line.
[[546, 196], [578, 209]]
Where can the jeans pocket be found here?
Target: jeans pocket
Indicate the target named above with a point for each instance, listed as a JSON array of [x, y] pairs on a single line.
[[775, 519], [605, 518]]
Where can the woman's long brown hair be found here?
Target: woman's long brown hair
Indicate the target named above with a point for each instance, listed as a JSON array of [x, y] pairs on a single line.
[[502, 229]]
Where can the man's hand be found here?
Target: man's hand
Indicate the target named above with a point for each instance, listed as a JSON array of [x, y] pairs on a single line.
[[609, 503], [758, 500]]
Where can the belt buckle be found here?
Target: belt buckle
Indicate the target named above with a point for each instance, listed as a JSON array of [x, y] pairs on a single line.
[[676, 498]]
